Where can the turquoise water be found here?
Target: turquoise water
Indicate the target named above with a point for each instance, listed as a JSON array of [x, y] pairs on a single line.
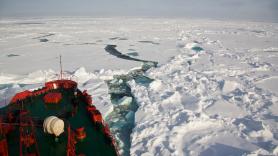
[[121, 119], [197, 49]]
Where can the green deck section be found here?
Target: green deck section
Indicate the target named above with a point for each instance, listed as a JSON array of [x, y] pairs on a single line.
[[95, 144]]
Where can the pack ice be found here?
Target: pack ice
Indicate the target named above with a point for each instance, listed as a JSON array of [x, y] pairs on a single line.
[[214, 92]]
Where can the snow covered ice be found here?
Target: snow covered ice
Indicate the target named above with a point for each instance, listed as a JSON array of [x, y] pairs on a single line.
[[213, 93]]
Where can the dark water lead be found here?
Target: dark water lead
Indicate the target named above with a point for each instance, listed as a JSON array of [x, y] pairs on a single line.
[[12, 55], [121, 119], [111, 49], [43, 40]]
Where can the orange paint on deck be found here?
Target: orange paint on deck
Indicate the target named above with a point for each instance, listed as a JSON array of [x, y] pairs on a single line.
[[52, 98]]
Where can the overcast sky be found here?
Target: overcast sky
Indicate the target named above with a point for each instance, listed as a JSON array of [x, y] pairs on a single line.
[[259, 10]]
